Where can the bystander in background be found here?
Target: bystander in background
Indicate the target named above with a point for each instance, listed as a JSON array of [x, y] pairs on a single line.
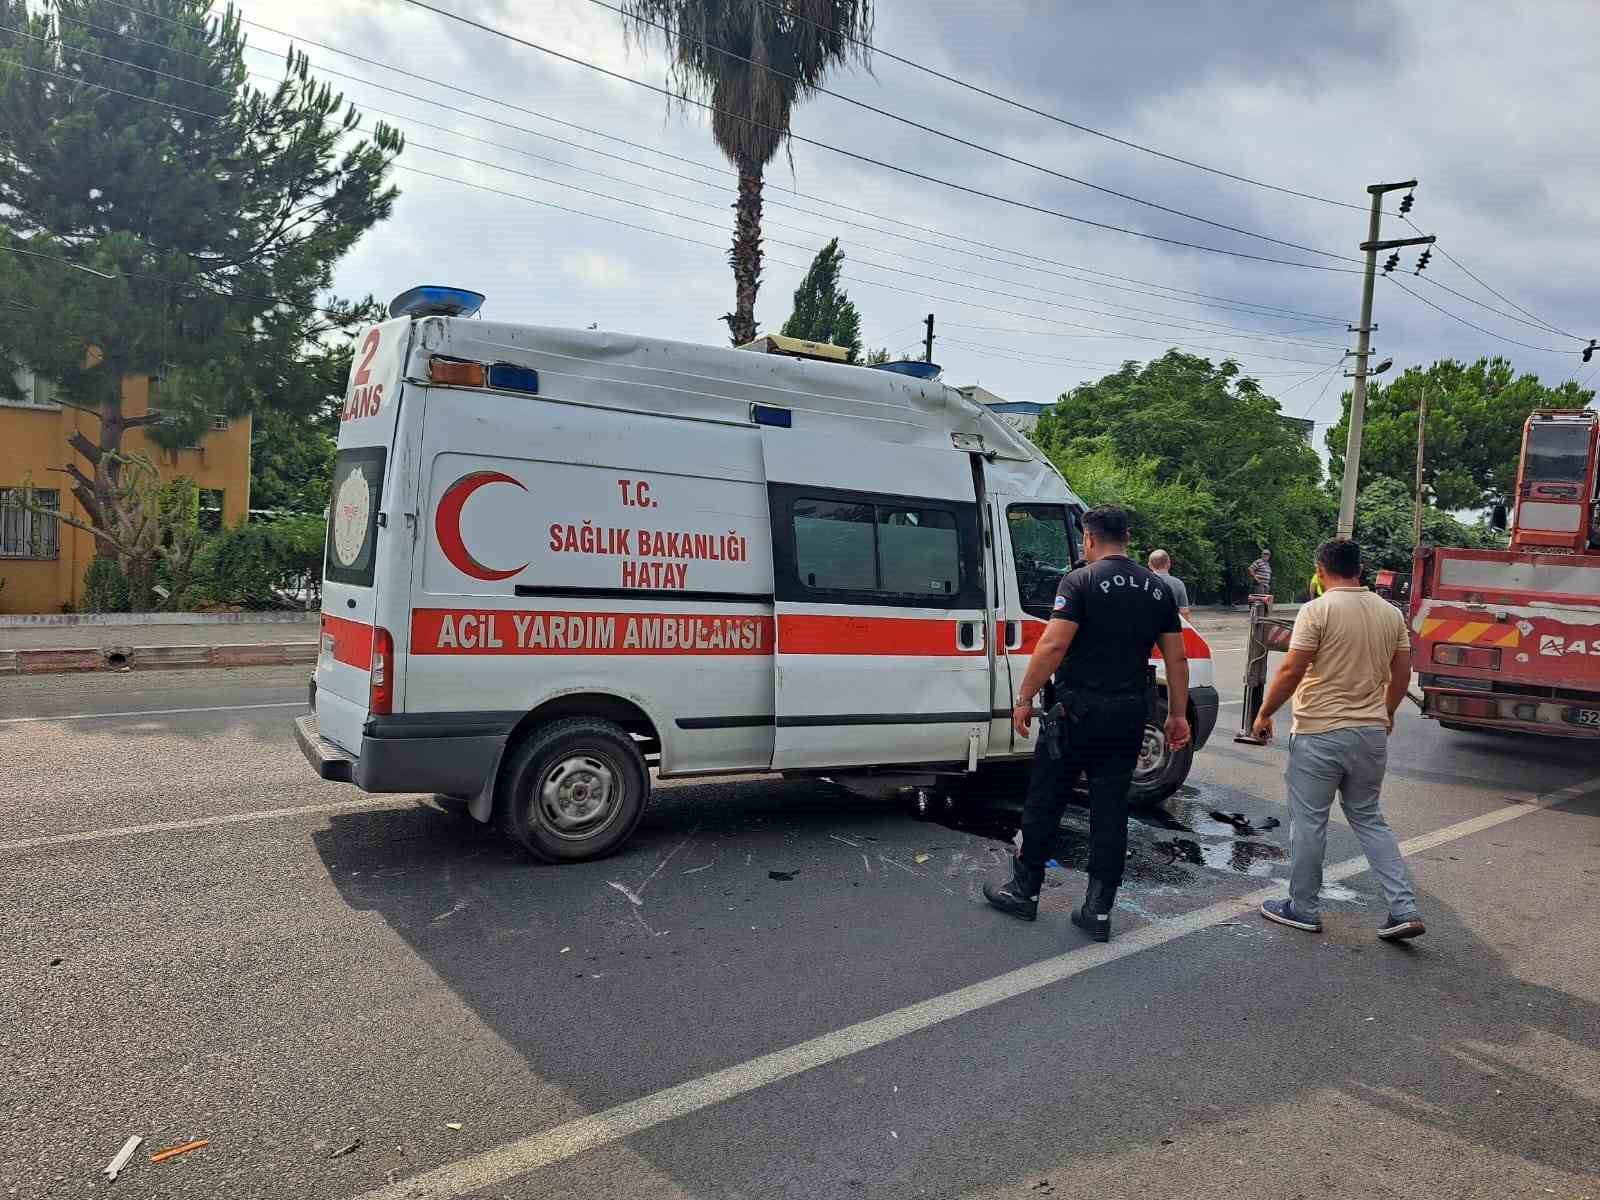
[[1161, 564]]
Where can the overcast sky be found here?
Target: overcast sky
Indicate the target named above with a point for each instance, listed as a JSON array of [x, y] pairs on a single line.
[[1489, 105]]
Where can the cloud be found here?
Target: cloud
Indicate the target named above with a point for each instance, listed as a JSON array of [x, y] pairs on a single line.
[[599, 271], [1485, 104]]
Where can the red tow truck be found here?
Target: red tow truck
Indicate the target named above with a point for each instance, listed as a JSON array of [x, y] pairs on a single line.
[[1510, 639]]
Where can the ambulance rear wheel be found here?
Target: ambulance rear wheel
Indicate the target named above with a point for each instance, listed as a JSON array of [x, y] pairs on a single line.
[[572, 790]]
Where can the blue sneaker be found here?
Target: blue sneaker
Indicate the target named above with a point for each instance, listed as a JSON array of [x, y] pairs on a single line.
[[1283, 912], [1398, 929]]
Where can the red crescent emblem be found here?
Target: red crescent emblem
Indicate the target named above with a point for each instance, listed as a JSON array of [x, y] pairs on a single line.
[[447, 525]]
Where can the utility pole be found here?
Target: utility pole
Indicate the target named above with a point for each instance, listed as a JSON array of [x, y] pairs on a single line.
[[1422, 429], [927, 344], [1363, 350]]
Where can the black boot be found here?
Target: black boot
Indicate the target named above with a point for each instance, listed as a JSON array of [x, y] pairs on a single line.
[[1019, 895], [1094, 918]]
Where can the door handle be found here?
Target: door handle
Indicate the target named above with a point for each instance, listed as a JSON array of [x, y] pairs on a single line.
[[969, 635], [1013, 635]]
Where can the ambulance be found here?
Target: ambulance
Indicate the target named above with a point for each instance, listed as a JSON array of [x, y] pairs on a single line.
[[562, 562]]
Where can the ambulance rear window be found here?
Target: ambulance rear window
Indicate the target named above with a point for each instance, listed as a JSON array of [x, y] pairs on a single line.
[[353, 515]]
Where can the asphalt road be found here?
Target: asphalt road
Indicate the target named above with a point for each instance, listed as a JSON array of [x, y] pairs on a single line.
[[202, 940]]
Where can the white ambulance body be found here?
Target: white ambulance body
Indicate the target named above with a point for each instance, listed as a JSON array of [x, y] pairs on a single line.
[[557, 559]]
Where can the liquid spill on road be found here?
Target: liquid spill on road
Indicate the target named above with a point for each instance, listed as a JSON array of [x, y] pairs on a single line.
[[1211, 844]]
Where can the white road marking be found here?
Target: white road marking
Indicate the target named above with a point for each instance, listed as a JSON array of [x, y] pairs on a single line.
[[152, 712], [271, 814], [508, 1161]]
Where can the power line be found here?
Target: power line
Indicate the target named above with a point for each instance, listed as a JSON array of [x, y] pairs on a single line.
[[943, 299], [1333, 372], [1472, 325], [1224, 302], [116, 92], [969, 143], [1206, 328], [1202, 327], [865, 158], [1462, 267], [1060, 120]]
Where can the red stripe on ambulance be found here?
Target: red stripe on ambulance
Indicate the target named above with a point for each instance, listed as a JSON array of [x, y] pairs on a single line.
[[352, 641], [501, 631], [1194, 646], [909, 637]]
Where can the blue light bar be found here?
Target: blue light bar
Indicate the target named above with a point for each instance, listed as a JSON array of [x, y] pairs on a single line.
[[432, 300], [766, 414], [509, 377]]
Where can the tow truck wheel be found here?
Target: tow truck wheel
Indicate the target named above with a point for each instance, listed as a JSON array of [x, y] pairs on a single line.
[[1160, 771], [574, 789]]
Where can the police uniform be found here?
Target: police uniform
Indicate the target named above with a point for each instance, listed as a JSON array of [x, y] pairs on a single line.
[[1121, 609]]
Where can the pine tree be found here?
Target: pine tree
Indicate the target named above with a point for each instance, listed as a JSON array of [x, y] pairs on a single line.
[[166, 219], [822, 312]]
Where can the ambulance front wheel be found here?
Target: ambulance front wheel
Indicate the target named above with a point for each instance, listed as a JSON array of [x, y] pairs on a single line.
[[1160, 770], [572, 790]]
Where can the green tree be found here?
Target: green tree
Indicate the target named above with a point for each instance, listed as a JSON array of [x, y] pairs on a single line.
[[751, 61], [1385, 511], [1179, 516], [1474, 436], [198, 215], [292, 441], [822, 312], [1206, 428]]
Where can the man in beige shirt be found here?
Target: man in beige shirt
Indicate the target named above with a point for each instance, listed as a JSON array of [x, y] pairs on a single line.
[[1348, 667]]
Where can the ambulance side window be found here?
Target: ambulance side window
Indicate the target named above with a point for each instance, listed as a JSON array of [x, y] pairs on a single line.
[[1042, 547], [833, 544], [861, 549]]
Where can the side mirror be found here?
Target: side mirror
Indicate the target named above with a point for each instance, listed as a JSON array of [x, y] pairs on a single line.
[[1497, 517]]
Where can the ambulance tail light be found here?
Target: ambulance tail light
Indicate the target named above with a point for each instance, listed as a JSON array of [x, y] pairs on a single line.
[[1478, 657], [455, 372], [381, 698]]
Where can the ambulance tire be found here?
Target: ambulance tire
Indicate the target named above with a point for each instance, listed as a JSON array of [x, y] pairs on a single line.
[[572, 790], [1161, 770]]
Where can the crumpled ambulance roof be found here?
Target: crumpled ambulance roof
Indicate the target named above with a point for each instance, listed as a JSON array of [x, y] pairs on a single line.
[[709, 382]]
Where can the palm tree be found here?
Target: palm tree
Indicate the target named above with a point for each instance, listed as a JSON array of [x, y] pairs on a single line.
[[751, 61]]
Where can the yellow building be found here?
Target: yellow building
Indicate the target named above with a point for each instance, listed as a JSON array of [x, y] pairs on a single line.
[[42, 560]]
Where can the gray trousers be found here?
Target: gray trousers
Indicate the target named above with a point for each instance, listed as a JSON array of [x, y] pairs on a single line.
[[1351, 762]]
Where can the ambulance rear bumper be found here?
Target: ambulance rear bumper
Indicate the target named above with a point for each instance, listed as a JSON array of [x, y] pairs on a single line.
[[454, 762]]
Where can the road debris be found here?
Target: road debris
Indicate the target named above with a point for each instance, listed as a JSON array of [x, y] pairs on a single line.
[[121, 1157], [343, 1150], [1242, 823], [922, 858], [566, 950], [626, 891], [782, 876], [457, 1124], [161, 1156]]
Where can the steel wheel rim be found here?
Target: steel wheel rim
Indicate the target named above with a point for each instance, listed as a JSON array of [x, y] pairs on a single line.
[[1153, 755], [578, 795]]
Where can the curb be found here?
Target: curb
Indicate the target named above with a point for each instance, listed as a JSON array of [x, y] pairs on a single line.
[[46, 661]]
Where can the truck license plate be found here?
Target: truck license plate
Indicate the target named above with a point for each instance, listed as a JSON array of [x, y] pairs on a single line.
[[1589, 718]]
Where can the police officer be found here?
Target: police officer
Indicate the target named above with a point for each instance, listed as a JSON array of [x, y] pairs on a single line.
[[1108, 614]]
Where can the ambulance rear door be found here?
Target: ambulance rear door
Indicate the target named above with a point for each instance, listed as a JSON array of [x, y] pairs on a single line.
[[364, 530], [877, 553]]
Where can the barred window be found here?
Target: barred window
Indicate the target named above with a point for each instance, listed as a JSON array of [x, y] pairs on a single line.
[[25, 533]]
